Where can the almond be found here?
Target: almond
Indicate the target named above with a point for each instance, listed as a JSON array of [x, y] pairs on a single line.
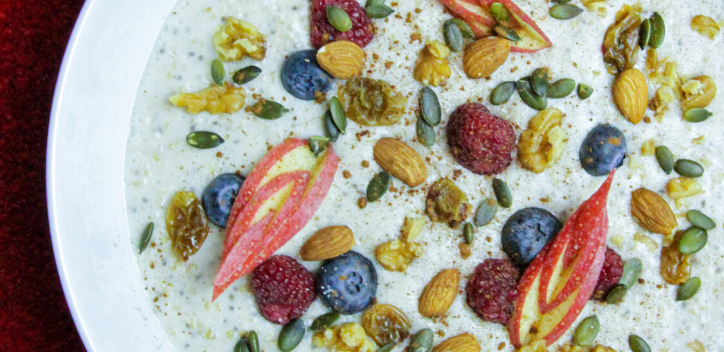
[[652, 212], [327, 243], [341, 59], [460, 343], [484, 56], [401, 161], [439, 294], [631, 94]]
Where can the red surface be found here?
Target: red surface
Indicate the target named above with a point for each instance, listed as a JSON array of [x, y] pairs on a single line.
[[33, 313]]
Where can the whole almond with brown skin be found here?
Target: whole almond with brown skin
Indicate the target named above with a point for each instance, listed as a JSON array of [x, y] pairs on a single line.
[[631, 94], [341, 59], [401, 161], [484, 56], [460, 343], [652, 212], [329, 242], [439, 294]]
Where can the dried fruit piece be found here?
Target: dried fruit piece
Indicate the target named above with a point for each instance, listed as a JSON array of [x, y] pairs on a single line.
[[652, 212], [543, 143], [446, 203], [675, 266], [484, 56], [630, 93], [385, 324], [492, 290], [432, 67], [348, 337], [460, 343], [620, 43], [705, 25], [327, 243], [215, 99], [323, 32], [396, 255], [401, 161], [683, 187], [439, 294], [341, 59], [701, 96], [238, 38], [186, 224], [371, 102]]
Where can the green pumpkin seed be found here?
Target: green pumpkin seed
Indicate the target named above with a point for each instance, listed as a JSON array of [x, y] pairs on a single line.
[[499, 12], [506, 33], [330, 129], [688, 289], [539, 81], [291, 335], [584, 91], [217, 71], [561, 88], [421, 342], [700, 220], [204, 140], [688, 168], [561, 1], [697, 115], [502, 193], [145, 237], [268, 109], [324, 321], [665, 159], [378, 11], [502, 93], [644, 33], [430, 106], [468, 233], [658, 30], [374, 2], [242, 345], [631, 271], [637, 344], [387, 348], [338, 18], [378, 186], [338, 115], [318, 145], [586, 331], [565, 11], [453, 36], [253, 339], [616, 294], [528, 96], [693, 240], [486, 212], [246, 74], [464, 28], [425, 133]]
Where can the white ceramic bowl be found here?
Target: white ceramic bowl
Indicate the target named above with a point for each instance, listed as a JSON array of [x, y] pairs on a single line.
[[86, 147]]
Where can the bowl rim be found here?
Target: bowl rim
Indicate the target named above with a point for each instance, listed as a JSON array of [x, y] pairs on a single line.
[[84, 182]]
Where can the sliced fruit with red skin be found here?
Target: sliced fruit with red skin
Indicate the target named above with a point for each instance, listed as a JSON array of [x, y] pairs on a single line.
[[479, 19], [532, 37], [530, 321]]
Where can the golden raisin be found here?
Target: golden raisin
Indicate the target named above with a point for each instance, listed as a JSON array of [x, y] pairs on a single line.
[[215, 99], [675, 266], [186, 224], [432, 67], [446, 203], [238, 38], [371, 102], [385, 324], [698, 92], [620, 44]]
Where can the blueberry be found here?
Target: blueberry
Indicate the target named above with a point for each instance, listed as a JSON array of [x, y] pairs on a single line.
[[219, 196], [347, 284], [526, 232], [302, 76], [603, 150]]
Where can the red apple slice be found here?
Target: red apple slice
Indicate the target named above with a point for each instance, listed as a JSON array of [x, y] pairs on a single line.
[[470, 11], [561, 279], [532, 37]]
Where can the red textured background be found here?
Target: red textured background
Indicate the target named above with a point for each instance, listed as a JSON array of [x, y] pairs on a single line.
[[33, 313]]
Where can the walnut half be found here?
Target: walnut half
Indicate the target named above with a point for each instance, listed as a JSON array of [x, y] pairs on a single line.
[[543, 143]]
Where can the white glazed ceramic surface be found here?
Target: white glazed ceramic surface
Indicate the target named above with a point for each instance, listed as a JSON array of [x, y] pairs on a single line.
[[89, 123]]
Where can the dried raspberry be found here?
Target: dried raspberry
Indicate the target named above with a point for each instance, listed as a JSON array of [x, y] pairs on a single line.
[[322, 31], [480, 141], [610, 275], [283, 288], [492, 290]]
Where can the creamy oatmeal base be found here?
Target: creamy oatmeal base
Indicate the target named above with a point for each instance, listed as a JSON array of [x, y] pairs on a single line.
[[160, 163]]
